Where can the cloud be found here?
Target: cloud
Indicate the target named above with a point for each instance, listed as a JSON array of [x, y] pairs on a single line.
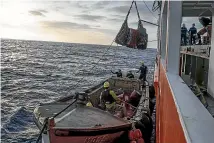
[[76, 35], [42, 11], [116, 20], [82, 5], [143, 11], [37, 12], [71, 25], [101, 4], [64, 25], [90, 17], [120, 9]]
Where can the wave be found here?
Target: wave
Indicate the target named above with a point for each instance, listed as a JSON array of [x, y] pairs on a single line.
[[19, 121]]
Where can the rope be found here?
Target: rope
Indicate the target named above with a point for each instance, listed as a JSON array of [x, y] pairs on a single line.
[[46, 120], [76, 85], [149, 9], [137, 10], [203, 12], [149, 22], [128, 104], [64, 109], [129, 11], [42, 130]]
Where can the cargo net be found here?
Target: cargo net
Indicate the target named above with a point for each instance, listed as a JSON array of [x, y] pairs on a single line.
[[132, 38]]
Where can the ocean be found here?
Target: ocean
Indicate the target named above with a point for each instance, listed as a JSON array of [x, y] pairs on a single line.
[[34, 72]]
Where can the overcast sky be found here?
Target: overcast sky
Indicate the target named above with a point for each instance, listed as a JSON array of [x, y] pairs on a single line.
[[93, 22]]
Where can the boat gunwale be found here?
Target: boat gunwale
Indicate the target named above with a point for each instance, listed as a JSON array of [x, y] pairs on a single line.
[[95, 129], [88, 91]]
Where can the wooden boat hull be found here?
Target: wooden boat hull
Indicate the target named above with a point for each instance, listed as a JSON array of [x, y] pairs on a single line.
[[106, 138], [81, 124], [83, 137]]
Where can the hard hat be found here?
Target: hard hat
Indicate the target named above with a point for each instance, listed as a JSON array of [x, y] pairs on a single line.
[[142, 62], [89, 104], [106, 84]]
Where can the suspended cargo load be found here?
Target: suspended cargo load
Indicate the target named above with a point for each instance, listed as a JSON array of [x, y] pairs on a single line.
[[122, 35], [132, 38], [143, 36]]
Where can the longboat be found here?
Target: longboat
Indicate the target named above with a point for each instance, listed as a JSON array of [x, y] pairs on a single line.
[[82, 124]]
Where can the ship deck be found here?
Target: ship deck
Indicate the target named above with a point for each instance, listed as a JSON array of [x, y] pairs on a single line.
[[210, 102], [193, 58]]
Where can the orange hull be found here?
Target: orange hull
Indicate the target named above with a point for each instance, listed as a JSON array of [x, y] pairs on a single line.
[[168, 126]]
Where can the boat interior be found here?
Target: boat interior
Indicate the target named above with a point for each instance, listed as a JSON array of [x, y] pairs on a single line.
[[76, 115], [118, 85]]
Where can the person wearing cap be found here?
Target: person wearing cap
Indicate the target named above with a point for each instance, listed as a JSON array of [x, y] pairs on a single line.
[[192, 32], [108, 98], [118, 73], [143, 71]]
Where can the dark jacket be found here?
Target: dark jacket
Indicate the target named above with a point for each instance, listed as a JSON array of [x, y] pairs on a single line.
[[130, 75], [193, 30], [106, 97], [143, 69], [119, 74], [183, 30]]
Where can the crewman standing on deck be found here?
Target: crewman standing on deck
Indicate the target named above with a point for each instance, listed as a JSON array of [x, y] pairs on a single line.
[[108, 98], [143, 71], [192, 32]]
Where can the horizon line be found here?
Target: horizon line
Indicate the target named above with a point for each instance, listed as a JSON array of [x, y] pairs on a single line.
[[63, 42]]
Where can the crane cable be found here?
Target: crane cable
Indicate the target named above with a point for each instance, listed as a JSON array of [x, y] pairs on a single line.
[[149, 10], [46, 119], [76, 85]]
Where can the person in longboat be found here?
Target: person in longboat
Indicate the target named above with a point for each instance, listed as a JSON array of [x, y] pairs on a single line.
[[108, 98]]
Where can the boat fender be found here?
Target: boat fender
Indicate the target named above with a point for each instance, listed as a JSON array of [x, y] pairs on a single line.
[[137, 133], [131, 135]]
